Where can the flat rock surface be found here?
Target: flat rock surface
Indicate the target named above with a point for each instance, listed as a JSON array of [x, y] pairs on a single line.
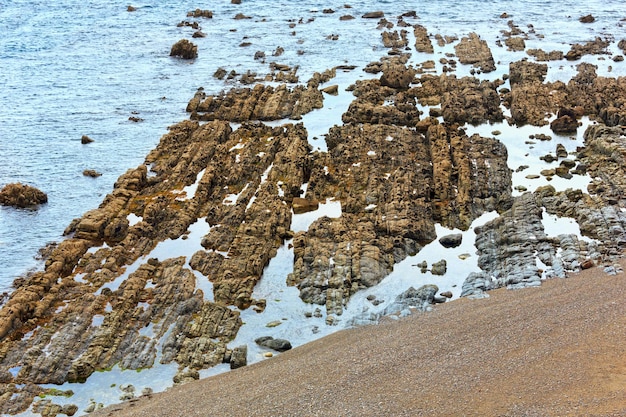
[[557, 350]]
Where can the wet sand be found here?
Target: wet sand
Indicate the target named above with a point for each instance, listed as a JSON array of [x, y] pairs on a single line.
[[557, 350]]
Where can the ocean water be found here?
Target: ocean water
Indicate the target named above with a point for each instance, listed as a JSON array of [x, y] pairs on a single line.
[[71, 68]]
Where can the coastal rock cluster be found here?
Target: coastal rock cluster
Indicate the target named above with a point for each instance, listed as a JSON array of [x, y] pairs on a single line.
[[21, 196], [108, 297]]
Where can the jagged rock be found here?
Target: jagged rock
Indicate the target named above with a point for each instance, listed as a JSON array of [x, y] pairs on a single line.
[[259, 103], [475, 51], [184, 49], [85, 139], [302, 205], [541, 55], [279, 345], [397, 76], [395, 39], [22, 196], [451, 241], [335, 258], [521, 72]]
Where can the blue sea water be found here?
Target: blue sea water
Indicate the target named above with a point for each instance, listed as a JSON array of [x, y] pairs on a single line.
[[70, 68]]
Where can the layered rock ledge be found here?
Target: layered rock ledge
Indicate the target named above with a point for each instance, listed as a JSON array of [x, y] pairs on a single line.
[[107, 297]]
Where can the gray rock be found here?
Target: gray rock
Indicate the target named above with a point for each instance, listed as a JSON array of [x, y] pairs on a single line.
[[420, 299], [239, 357], [451, 241], [279, 345]]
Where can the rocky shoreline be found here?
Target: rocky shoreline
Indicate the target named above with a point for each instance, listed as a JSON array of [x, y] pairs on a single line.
[[242, 166]]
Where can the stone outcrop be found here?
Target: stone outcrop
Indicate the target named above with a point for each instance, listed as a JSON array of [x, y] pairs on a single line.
[[258, 103], [88, 308], [105, 297], [371, 169], [184, 49], [422, 40], [475, 51], [22, 196], [596, 47], [532, 101]]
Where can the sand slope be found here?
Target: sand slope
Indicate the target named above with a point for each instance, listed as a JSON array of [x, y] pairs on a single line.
[[558, 350]]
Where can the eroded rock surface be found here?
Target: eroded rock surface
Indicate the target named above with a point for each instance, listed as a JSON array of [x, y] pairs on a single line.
[[22, 196], [475, 51], [106, 298]]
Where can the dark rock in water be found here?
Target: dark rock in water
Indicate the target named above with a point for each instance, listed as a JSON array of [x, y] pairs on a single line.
[[279, 345], [373, 15], [21, 196], [200, 13], [91, 173], [239, 357], [587, 19], [564, 124], [184, 49], [85, 139], [451, 241]]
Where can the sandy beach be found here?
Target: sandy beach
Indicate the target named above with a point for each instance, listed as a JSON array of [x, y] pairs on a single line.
[[557, 350]]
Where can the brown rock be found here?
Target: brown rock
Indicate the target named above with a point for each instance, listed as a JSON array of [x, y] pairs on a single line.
[[515, 44], [184, 49], [422, 41], [22, 196], [564, 125], [587, 19], [85, 139], [475, 51], [302, 205], [91, 173]]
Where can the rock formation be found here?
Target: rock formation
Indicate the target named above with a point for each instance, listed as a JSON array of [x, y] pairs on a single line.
[[107, 298], [475, 51], [21, 196], [184, 49]]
